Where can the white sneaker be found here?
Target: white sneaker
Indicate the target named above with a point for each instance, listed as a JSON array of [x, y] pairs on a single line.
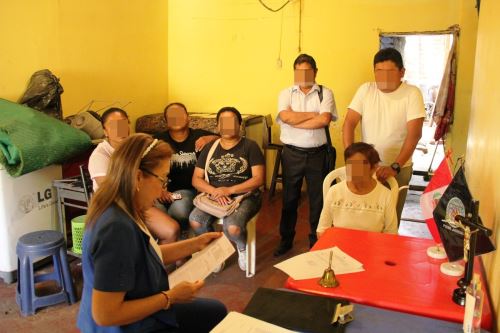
[[219, 268], [242, 259]]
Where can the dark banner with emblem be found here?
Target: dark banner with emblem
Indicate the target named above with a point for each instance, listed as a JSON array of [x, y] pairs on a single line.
[[457, 200]]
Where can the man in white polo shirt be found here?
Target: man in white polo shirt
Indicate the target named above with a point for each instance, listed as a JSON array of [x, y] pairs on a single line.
[[391, 113], [304, 110]]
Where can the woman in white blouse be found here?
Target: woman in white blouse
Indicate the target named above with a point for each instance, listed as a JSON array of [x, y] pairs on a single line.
[[116, 126], [359, 202]]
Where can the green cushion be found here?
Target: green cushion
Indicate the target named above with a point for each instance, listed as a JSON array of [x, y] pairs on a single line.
[[31, 140]]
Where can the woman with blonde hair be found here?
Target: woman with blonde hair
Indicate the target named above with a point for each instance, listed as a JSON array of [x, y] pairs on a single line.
[[125, 282]]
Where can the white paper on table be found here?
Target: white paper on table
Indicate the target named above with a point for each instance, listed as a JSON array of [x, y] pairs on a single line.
[[202, 263], [238, 322], [312, 264]]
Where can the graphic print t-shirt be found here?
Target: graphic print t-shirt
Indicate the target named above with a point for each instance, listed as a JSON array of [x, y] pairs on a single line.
[[184, 158], [233, 166]]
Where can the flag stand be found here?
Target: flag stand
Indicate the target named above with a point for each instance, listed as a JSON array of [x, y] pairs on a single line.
[[472, 227], [436, 252]]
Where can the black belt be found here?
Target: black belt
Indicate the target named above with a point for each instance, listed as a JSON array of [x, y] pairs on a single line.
[[307, 150]]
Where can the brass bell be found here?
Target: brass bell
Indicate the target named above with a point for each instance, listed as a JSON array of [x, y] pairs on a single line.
[[328, 280]]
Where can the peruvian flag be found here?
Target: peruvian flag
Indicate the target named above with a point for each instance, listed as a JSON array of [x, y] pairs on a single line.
[[428, 201]]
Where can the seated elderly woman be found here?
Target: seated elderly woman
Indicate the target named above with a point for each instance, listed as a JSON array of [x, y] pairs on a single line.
[[235, 167], [125, 283], [359, 202]]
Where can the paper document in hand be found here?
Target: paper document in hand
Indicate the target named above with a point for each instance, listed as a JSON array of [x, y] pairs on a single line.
[[238, 322], [312, 264], [203, 262]]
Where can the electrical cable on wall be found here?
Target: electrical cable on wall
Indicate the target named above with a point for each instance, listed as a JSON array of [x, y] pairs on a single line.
[[274, 10], [281, 32], [300, 26], [279, 62]]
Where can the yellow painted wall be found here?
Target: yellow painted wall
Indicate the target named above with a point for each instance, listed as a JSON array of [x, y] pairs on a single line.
[[225, 52], [102, 50], [29, 42], [483, 143], [457, 137], [208, 54]]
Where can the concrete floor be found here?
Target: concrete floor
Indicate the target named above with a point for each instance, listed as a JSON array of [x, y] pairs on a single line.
[[230, 286]]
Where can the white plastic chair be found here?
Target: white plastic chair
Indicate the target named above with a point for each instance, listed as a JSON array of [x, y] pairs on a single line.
[[393, 184], [251, 244], [339, 174]]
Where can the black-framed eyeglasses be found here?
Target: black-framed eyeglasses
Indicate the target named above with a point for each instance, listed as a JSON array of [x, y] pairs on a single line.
[[164, 180]]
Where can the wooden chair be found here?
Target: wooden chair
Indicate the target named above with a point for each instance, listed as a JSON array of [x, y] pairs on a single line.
[[267, 144]]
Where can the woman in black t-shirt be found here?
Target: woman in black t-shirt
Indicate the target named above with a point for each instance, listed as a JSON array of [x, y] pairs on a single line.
[[236, 167]]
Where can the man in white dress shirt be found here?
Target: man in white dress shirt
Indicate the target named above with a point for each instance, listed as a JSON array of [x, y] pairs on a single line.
[[304, 110], [391, 113]]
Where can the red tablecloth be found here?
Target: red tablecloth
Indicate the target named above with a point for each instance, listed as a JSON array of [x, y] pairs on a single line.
[[398, 276]]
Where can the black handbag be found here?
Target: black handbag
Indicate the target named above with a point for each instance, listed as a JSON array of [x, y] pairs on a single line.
[[331, 152]]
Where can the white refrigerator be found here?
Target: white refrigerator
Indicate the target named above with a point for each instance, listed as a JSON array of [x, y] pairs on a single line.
[[27, 203]]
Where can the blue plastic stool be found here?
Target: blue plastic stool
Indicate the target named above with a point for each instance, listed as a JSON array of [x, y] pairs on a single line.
[[30, 247]]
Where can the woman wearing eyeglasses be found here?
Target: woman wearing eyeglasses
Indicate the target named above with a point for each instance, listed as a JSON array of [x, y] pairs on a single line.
[[125, 282], [116, 127]]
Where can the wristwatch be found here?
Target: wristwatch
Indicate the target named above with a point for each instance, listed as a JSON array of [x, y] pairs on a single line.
[[395, 166]]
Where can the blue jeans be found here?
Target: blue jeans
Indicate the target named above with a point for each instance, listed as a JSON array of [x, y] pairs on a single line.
[[179, 210], [247, 209]]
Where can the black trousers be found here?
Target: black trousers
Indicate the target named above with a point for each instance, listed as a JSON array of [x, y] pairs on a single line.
[[298, 164]]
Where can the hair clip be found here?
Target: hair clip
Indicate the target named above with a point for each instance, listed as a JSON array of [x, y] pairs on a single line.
[[151, 146]]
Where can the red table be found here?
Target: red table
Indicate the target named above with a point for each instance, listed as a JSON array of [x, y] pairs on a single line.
[[398, 276]]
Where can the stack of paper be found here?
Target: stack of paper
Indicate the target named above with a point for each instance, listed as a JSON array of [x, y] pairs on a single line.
[[312, 264], [237, 322]]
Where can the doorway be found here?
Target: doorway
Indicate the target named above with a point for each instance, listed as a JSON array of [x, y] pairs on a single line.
[[425, 55]]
